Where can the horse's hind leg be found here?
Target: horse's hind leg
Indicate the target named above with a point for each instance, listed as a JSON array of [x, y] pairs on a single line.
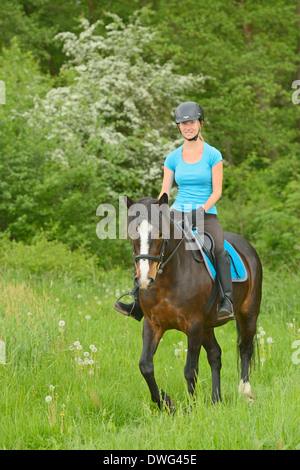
[[191, 367], [246, 346], [213, 351], [151, 338]]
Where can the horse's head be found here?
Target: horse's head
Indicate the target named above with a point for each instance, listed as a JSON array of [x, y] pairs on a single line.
[[149, 229]]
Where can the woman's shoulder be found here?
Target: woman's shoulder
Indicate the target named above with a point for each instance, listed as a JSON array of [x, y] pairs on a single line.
[[176, 152], [211, 149], [214, 154], [173, 158]]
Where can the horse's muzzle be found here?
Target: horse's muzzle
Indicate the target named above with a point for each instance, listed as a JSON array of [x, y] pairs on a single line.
[[145, 283]]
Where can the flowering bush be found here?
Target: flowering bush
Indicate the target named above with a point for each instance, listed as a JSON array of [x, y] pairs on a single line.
[[117, 106]]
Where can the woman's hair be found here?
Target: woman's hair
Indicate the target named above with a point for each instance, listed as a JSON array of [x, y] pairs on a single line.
[[200, 135]]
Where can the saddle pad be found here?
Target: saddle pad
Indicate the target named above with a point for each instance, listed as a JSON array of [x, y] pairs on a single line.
[[238, 270]]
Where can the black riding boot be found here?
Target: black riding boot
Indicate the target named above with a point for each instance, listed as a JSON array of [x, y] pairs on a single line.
[[133, 309], [225, 308]]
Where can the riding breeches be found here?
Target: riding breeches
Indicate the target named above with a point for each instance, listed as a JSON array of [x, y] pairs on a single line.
[[214, 228], [211, 226]]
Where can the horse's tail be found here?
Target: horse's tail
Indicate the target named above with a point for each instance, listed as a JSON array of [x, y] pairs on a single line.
[[238, 342]]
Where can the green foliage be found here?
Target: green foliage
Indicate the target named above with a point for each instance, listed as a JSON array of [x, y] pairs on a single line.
[[264, 206], [48, 258], [102, 125]]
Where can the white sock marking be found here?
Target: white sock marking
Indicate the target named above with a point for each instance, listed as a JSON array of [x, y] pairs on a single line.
[[244, 388]]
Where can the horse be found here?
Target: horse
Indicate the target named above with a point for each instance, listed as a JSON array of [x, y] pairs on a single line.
[[174, 292]]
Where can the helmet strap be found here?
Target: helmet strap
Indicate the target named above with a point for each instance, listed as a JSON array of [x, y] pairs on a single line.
[[193, 138]]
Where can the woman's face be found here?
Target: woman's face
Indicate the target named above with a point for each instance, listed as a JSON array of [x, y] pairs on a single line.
[[189, 128]]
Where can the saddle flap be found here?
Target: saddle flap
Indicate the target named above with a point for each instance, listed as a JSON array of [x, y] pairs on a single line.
[[206, 244]]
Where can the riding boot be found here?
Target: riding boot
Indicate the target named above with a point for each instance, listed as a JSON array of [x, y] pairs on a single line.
[[133, 309], [225, 308]]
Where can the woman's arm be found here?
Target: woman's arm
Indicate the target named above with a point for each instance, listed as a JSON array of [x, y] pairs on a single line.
[[167, 181], [217, 180]]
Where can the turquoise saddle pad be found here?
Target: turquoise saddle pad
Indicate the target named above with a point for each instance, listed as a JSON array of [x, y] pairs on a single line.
[[238, 270]]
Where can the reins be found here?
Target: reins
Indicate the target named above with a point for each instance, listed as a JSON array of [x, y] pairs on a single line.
[[160, 259]]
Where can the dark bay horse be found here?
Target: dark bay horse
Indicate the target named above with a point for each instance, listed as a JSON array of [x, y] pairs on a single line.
[[173, 294]]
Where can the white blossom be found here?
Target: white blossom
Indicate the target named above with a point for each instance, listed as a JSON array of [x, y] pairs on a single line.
[[116, 99]]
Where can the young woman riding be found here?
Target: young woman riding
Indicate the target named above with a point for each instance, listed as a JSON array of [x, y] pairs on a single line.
[[198, 170]]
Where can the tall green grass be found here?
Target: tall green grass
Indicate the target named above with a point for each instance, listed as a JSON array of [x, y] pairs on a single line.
[[106, 404]]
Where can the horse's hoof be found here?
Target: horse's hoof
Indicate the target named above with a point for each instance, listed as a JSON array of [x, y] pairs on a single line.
[[246, 392], [167, 403]]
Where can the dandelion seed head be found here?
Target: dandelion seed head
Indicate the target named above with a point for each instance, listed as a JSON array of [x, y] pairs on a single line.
[[48, 399]]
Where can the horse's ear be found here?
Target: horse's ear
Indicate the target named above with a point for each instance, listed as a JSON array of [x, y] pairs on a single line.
[[128, 201], [164, 199]]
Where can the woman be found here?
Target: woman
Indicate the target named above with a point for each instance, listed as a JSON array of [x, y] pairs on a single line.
[[198, 170]]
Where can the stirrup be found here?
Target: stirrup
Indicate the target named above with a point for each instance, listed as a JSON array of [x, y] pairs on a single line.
[[133, 310], [225, 313], [118, 305]]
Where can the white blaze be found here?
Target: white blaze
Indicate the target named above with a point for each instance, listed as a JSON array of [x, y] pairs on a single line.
[[144, 230]]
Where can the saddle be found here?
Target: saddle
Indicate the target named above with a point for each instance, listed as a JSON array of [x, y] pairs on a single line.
[[206, 246]]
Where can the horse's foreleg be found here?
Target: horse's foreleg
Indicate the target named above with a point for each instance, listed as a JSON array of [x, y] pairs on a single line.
[[191, 367], [213, 351], [151, 338]]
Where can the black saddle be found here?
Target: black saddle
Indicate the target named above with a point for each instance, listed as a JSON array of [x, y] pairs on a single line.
[[207, 243]]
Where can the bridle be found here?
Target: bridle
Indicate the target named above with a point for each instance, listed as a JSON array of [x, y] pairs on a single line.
[[160, 258]]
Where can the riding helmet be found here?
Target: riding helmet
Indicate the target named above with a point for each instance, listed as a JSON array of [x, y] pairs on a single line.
[[188, 111]]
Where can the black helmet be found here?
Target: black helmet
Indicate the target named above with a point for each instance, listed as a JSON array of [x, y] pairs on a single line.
[[188, 111]]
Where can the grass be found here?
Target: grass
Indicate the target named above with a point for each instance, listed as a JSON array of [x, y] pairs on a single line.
[[105, 404]]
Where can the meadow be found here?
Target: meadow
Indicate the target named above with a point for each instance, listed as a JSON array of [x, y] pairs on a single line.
[[70, 377]]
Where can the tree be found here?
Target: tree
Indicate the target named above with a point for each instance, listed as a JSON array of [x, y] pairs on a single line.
[[108, 129]]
